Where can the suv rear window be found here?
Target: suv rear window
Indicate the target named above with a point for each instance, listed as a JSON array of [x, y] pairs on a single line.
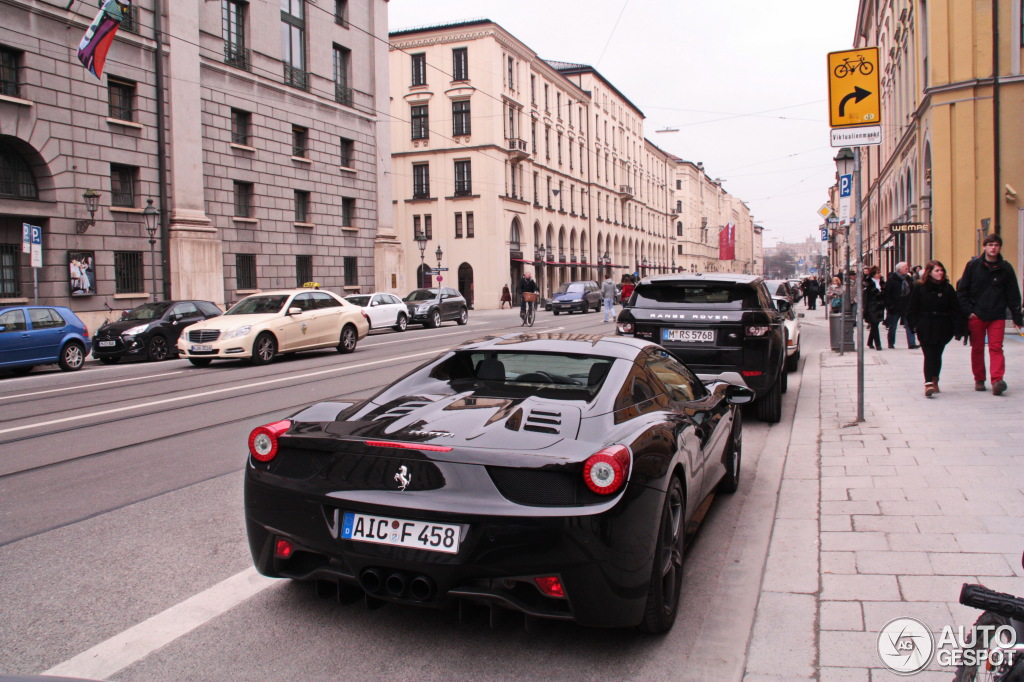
[[719, 294]]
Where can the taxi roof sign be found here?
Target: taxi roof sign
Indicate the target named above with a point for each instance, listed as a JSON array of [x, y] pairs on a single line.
[[853, 92]]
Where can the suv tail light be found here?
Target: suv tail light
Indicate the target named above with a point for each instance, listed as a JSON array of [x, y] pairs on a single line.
[[625, 327], [263, 440], [606, 470], [757, 330]]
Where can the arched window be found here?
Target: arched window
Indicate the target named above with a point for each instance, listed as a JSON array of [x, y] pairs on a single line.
[[514, 238], [16, 179]]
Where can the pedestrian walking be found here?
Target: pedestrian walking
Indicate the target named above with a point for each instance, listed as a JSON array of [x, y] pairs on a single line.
[[608, 294], [897, 299], [823, 292], [834, 297], [934, 314], [506, 297], [987, 289], [874, 305], [810, 287], [627, 288]]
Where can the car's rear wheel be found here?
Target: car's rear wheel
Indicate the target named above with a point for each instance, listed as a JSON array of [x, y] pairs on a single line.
[[110, 359], [200, 362], [264, 348], [72, 356], [667, 576], [402, 323], [434, 319], [349, 338], [730, 483], [793, 361], [463, 317], [769, 406], [157, 349]]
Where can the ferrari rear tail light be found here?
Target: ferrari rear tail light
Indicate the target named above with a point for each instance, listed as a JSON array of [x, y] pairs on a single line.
[[550, 585], [751, 372], [263, 440], [283, 549], [606, 470], [757, 330], [407, 446]]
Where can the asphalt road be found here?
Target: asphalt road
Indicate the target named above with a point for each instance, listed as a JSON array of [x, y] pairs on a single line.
[[123, 552]]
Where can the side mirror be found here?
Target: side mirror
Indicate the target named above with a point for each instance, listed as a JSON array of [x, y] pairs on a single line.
[[294, 311], [738, 395]]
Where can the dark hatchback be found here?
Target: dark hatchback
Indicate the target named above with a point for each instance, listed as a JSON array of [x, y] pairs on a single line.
[[149, 331], [431, 307], [583, 296], [719, 325]]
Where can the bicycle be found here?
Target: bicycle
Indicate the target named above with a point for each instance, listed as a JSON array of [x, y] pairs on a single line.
[[530, 313], [858, 64]]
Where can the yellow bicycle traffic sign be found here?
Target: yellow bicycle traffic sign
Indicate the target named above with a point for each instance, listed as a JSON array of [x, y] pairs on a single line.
[[853, 97]]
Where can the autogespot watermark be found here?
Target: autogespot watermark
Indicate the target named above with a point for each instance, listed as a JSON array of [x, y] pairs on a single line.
[[906, 646]]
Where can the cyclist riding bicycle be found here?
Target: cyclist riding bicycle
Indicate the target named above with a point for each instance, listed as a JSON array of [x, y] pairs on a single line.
[[526, 285]]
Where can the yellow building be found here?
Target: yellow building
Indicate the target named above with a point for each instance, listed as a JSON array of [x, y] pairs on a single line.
[[952, 151]]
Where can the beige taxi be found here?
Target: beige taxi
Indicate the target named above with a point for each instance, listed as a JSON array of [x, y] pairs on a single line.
[[263, 325]]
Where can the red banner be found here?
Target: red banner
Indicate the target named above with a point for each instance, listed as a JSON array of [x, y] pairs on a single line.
[[727, 242]]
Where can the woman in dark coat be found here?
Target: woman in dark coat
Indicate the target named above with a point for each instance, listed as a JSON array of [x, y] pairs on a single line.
[[935, 317], [874, 306]]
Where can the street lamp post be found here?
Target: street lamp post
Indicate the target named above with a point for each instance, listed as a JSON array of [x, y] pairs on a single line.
[[421, 244], [439, 253], [152, 216]]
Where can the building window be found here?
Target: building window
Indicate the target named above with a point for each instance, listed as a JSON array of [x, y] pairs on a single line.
[[679, 229], [128, 19], [121, 99], [547, 142], [419, 68], [533, 89], [243, 199], [558, 105], [428, 226], [533, 135], [547, 102], [460, 117], [511, 73], [122, 186], [458, 226], [301, 206], [347, 149], [536, 189], [10, 287], [342, 69], [9, 72], [679, 184], [469, 226], [300, 141], [463, 179], [16, 178], [351, 271], [420, 180], [293, 43], [341, 12], [303, 270], [348, 212], [415, 226], [245, 271], [460, 64], [241, 127], [128, 277], [559, 149], [233, 16], [419, 122]]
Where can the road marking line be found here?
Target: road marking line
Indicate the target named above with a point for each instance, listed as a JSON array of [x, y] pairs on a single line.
[[122, 650], [102, 383], [192, 396]]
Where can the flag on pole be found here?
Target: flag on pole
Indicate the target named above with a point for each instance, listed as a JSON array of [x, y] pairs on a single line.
[[92, 51], [727, 242]]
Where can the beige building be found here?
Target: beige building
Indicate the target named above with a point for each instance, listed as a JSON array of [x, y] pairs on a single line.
[[952, 152], [508, 163]]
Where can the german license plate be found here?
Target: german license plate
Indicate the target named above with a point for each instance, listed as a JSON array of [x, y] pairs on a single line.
[[202, 349], [106, 344], [688, 335], [381, 530]]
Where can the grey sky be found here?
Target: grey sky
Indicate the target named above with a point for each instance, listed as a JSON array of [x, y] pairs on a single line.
[[745, 81]]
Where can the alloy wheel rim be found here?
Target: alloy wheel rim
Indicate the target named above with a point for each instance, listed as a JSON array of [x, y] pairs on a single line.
[[74, 357], [348, 339], [672, 557], [159, 348]]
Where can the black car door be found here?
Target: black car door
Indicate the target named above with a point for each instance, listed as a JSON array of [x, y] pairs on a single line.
[[180, 316]]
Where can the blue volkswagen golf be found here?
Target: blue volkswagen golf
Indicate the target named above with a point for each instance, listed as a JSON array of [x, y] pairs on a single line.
[[42, 335]]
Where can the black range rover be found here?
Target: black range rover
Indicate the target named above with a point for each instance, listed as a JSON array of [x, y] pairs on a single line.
[[715, 323]]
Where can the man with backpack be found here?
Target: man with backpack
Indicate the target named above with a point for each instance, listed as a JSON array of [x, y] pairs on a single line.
[[987, 289]]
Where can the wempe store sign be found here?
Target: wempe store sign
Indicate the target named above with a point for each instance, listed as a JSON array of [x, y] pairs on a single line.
[[904, 228]]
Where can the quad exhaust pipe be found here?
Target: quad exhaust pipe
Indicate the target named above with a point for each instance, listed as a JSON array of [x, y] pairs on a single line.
[[397, 585]]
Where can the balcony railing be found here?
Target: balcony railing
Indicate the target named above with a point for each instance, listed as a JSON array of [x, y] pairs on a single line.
[[342, 94], [626, 190], [237, 56], [516, 145], [297, 78]]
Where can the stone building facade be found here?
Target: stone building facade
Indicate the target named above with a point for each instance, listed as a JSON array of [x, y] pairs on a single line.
[[269, 168]]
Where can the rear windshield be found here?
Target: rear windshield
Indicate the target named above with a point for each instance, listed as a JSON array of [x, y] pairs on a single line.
[[423, 295], [568, 376], [361, 301], [718, 294]]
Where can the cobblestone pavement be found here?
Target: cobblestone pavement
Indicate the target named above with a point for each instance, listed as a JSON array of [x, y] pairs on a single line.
[[890, 516]]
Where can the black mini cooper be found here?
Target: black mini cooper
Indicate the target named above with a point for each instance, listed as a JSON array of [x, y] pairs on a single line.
[[719, 324]]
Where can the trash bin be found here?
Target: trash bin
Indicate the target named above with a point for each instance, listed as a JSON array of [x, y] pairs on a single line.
[[840, 333]]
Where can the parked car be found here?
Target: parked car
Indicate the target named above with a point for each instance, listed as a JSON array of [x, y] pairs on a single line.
[[791, 319], [798, 291], [33, 335], [262, 325], [557, 477], [382, 310], [583, 296], [783, 287], [719, 324], [150, 330], [431, 307]]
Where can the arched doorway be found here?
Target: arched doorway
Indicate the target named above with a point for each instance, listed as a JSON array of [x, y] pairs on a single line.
[[465, 282], [422, 277]]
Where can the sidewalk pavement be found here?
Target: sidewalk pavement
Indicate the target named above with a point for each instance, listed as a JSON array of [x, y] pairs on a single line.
[[888, 517]]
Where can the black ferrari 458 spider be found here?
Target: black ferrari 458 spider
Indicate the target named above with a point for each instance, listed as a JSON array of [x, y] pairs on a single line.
[[557, 475]]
